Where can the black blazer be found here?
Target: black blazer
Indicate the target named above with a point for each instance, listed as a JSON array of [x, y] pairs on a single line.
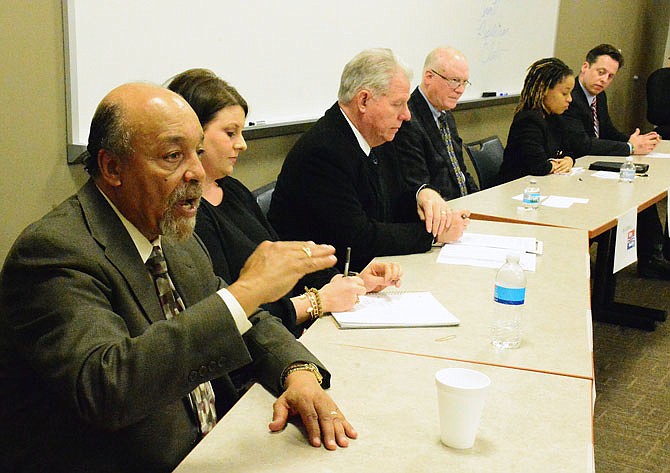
[[533, 139], [328, 191], [578, 121], [658, 101], [93, 376], [423, 154], [232, 230]]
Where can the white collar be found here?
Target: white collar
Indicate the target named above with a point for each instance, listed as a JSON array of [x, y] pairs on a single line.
[[142, 243], [361, 140]]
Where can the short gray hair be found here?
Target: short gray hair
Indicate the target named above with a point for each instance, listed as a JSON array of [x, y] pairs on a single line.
[[109, 131], [370, 69]]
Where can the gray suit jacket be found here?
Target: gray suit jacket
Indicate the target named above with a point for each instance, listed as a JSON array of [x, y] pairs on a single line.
[[93, 377]]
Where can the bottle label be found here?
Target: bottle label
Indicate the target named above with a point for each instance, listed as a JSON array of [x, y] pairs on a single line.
[[509, 296], [531, 198]]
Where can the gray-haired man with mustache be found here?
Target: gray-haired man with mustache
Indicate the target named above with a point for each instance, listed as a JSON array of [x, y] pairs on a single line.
[[115, 334]]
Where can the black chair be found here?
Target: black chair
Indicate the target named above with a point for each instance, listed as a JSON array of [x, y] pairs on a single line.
[[658, 101], [264, 196], [486, 156]]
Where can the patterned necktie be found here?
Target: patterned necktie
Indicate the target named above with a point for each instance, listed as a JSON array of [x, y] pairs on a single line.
[[377, 180], [594, 110], [446, 136], [202, 397]]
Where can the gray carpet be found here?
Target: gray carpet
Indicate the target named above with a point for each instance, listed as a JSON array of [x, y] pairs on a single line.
[[632, 369]]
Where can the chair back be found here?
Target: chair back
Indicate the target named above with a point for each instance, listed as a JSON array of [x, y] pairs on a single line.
[[264, 196], [486, 156]]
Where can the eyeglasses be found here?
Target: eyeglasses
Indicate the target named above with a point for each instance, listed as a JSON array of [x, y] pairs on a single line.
[[453, 83]]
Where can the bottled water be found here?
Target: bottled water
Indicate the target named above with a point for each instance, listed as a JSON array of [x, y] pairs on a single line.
[[509, 297], [627, 172], [531, 195]]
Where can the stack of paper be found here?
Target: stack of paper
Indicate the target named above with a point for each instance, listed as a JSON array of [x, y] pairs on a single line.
[[490, 251], [396, 309]]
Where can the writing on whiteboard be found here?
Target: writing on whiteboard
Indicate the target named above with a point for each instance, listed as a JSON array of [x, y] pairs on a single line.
[[491, 31]]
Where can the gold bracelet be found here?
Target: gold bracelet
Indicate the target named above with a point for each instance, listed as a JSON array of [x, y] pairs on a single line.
[[301, 366], [311, 310], [315, 302]]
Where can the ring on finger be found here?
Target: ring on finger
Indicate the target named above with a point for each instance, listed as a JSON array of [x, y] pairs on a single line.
[[333, 413], [443, 212], [307, 251]]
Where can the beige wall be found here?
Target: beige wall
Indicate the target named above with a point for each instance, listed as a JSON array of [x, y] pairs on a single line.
[[32, 112]]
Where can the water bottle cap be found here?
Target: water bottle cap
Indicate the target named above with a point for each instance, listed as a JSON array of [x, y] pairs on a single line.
[[513, 257]]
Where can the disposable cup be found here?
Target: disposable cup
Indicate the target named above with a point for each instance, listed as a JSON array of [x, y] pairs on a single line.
[[461, 394]]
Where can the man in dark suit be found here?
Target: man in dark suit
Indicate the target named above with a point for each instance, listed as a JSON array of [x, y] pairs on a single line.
[[98, 372], [340, 183], [658, 100], [591, 131], [429, 147]]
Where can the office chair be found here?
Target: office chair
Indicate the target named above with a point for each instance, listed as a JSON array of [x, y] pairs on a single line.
[[264, 195], [486, 156], [658, 101]]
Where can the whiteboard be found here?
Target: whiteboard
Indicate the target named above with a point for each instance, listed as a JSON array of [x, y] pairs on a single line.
[[286, 57]]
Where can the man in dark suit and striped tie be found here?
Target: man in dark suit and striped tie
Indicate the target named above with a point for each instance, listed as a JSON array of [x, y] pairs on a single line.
[[591, 131], [429, 148]]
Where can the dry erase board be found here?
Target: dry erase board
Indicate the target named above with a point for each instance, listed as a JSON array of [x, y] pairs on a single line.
[[285, 57]]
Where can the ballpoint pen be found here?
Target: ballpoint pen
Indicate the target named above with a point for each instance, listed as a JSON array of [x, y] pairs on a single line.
[[346, 262]]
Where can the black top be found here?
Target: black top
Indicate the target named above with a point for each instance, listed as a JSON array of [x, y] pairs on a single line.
[[423, 154], [329, 191], [232, 230], [658, 101], [533, 139]]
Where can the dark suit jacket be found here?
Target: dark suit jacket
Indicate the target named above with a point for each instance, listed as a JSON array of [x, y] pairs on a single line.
[[423, 154], [658, 101], [533, 139], [330, 192], [578, 121], [232, 230], [94, 378]]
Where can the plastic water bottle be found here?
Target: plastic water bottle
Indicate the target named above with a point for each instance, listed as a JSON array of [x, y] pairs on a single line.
[[509, 297], [627, 172], [531, 195]]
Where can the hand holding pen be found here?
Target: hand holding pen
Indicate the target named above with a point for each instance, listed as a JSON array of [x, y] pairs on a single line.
[[561, 164], [377, 275]]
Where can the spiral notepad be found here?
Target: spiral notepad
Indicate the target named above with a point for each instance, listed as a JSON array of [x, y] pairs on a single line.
[[396, 309]]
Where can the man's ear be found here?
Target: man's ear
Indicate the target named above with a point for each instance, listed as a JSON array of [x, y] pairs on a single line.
[[585, 66], [362, 99], [110, 168]]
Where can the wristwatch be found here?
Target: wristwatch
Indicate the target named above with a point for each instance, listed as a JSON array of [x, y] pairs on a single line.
[[301, 366]]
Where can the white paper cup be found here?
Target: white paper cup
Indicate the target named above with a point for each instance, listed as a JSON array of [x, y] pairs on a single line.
[[461, 394]]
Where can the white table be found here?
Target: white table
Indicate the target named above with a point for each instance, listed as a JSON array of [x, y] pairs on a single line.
[[557, 319], [608, 199], [531, 422]]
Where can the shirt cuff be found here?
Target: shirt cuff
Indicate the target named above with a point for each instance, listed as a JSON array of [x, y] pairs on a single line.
[[416, 196], [236, 310]]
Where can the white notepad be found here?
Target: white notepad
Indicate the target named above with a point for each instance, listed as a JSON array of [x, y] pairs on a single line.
[[396, 309]]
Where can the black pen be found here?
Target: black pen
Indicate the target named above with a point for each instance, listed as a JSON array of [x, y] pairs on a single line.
[[346, 262]]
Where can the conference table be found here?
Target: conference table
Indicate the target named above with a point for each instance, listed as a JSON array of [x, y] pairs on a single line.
[[539, 412], [531, 422], [556, 322], [607, 200]]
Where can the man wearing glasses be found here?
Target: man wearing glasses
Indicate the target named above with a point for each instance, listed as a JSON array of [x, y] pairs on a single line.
[[341, 182], [429, 147]]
